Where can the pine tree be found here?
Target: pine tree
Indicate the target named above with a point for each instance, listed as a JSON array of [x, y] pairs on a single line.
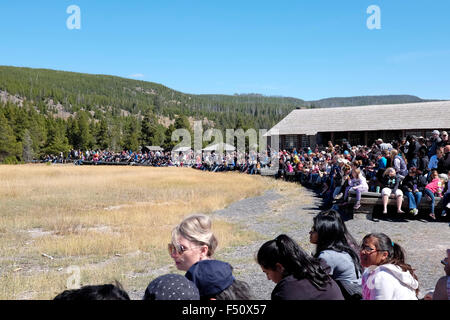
[[82, 134], [131, 134], [10, 149], [57, 141], [102, 135], [27, 147]]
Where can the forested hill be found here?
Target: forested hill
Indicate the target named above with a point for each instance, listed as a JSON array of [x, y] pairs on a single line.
[[109, 95], [46, 111]]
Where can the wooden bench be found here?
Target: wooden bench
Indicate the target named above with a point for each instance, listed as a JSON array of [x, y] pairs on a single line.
[[372, 200]]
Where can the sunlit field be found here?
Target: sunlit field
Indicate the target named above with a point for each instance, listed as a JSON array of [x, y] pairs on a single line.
[[114, 223]]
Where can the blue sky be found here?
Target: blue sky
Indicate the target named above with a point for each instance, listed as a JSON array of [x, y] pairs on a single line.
[[304, 49]]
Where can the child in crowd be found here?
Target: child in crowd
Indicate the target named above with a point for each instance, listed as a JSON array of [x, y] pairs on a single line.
[[358, 184], [387, 275], [433, 189], [390, 181]]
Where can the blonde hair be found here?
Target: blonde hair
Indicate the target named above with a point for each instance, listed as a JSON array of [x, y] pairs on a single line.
[[357, 171], [197, 229], [394, 153], [389, 170]]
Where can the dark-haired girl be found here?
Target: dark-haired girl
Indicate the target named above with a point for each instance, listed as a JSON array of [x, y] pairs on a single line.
[[329, 234], [387, 276], [298, 275]]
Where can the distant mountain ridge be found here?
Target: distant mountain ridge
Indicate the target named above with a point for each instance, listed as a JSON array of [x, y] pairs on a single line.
[[364, 100]]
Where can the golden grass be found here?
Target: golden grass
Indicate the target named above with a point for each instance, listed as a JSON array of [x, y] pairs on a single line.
[[113, 217]]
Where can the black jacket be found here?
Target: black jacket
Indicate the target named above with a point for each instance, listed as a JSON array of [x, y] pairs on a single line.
[[391, 183], [444, 163], [290, 288], [409, 182]]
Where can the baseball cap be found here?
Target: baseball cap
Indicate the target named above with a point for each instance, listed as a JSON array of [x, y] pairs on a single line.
[[211, 276], [171, 287]]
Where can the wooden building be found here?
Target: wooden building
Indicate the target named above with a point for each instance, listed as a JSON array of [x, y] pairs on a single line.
[[360, 125]]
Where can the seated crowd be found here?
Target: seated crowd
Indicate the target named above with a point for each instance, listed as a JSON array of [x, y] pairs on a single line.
[[339, 269], [408, 168]]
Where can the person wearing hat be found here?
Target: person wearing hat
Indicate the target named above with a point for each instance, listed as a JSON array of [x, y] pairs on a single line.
[[435, 142], [215, 281], [444, 137], [171, 287]]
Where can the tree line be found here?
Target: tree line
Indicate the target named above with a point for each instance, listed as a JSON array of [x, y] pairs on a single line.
[[26, 134]]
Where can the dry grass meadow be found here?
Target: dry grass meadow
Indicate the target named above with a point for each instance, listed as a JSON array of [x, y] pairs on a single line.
[[112, 222]]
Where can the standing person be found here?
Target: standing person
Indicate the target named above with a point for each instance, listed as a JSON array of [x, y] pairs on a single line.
[[328, 233], [413, 150], [445, 140], [390, 182], [411, 188], [387, 275], [192, 241], [435, 143], [298, 275]]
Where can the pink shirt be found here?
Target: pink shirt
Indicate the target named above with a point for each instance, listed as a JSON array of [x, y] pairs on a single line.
[[435, 186]]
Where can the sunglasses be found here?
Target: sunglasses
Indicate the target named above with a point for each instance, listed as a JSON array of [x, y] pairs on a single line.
[[180, 249], [369, 250]]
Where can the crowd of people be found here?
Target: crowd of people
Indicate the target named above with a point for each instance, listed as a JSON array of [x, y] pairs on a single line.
[[339, 269], [413, 167]]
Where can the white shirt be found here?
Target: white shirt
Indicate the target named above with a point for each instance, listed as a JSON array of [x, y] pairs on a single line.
[[388, 282]]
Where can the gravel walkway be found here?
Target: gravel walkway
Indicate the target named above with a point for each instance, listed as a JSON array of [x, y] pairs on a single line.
[[272, 214]]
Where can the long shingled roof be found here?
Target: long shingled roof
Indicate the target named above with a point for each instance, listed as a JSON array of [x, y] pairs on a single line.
[[408, 116]]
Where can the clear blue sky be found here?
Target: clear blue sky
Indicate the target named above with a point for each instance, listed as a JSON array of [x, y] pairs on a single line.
[[304, 49]]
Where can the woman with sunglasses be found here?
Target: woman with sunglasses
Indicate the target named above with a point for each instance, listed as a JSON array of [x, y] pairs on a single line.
[[192, 241], [388, 276]]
